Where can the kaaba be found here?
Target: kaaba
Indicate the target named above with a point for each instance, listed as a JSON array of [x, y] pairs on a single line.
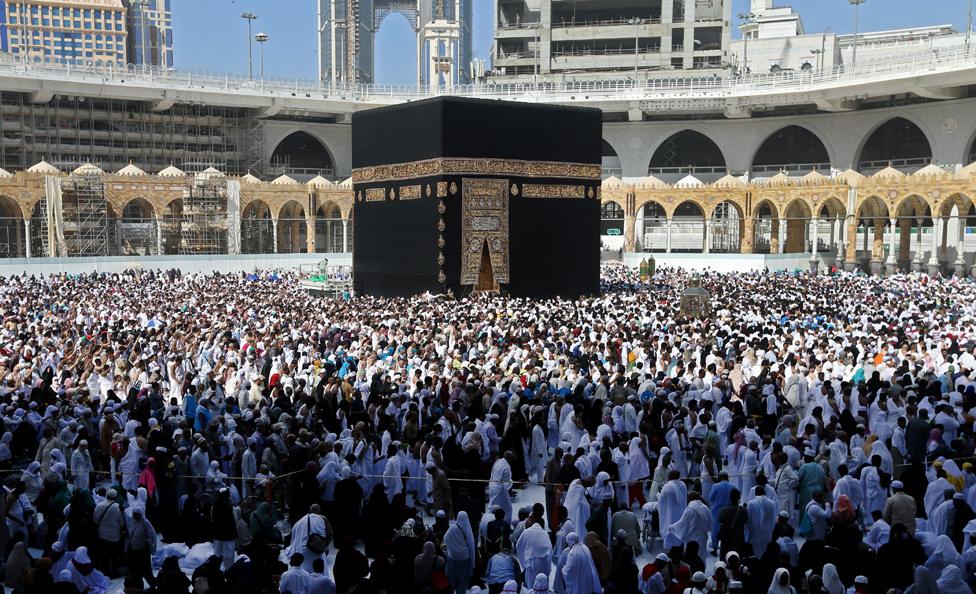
[[463, 195]]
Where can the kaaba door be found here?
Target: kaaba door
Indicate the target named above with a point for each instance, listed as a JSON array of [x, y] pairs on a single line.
[[486, 276], [484, 233]]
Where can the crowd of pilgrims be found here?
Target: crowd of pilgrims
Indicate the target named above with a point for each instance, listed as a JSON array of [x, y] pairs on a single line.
[[179, 433]]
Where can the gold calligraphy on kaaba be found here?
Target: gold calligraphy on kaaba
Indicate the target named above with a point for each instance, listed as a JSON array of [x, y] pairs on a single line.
[[553, 191], [464, 166], [484, 221], [442, 189], [410, 192], [375, 194]]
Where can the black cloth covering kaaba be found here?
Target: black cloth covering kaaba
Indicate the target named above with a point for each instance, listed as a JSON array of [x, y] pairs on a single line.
[[458, 195]]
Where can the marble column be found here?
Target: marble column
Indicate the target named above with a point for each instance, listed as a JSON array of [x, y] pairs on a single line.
[[918, 262], [814, 239], [746, 246], [850, 262], [707, 237], [274, 234], [345, 237], [959, 266], [668, 244], [782, 235], [27, 236], [891, 264], [933, 266]]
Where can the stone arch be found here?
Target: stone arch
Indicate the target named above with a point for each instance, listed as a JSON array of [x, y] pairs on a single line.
[[171, 226], [688, 227], [791, 148], [727, 228], [12, 231], [958, 200], [872, 219], [687, 152], [651, 227], [914, 215], [330, 228], [301, 154], [913, 206], [292, 228], [832, 207], [765, 202], [610, 160], [970, 150], [957, 211], [765, 235], [797, 215], [257, 228], [611, 217], [137, 228], [900, 141]]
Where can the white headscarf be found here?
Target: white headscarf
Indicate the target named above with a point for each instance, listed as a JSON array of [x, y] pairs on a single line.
[[776, 588], [459, 539], [831, 580], [951, 582], [639, 468], [602, 489], [579, 569]]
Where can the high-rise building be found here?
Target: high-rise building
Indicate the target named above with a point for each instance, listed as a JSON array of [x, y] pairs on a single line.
[[347, 35], [150, 25], [580, 39], [62, 30]]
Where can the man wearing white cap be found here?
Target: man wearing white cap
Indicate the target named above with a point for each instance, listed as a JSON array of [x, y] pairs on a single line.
[[900, 508], [652, 576]]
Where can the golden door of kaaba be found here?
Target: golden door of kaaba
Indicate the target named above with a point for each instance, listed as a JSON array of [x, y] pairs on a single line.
[[484, 233]]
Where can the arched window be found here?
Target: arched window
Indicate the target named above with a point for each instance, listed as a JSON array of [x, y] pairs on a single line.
[[611, 219]]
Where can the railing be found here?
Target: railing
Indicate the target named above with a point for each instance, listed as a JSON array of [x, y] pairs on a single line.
[[721, 86], [685, 170], [517, 55], [605, 23], [605, 52], [865, 166], [791, 167]]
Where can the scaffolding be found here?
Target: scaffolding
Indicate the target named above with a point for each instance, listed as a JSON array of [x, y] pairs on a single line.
[[197, 224], [69, 131], [87, 231]]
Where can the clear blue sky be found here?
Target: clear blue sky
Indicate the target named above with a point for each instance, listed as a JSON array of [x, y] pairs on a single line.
[[210, 35]]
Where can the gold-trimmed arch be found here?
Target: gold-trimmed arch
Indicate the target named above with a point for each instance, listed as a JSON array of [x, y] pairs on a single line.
[[687, 199], [956, 198], [13, 205], [765, 202], [913, 205]]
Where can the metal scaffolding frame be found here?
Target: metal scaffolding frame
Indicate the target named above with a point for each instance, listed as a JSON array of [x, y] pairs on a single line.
[[69, 131], [197, 224], [87, 231]]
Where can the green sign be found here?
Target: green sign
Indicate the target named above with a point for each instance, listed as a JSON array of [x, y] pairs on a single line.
[[614, 232]]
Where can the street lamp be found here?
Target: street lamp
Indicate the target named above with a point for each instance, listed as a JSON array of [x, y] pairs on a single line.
[[249, 17], [818, 53], [969, 26], [747, 19], [636, 23], [261, 38], [857, 16]]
